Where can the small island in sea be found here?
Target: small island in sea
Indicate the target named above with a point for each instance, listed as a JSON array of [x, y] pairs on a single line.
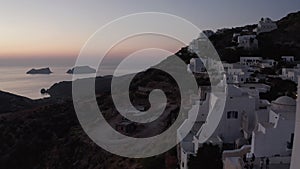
[[81, 70], [40, 71]]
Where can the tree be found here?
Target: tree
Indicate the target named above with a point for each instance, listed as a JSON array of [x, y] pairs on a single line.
[[208, 157]]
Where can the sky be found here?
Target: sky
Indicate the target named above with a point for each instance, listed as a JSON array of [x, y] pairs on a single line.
[[56, 29]]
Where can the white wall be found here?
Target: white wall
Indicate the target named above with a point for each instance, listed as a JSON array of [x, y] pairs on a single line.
[[288, 58], [248, 41], [266, 25], [197, 65], [230, 129], [250, 61], [295, 163], [274, 141], [184, 160]]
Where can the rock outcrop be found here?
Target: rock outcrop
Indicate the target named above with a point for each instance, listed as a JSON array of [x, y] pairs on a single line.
[[81, 70], [40, 71]]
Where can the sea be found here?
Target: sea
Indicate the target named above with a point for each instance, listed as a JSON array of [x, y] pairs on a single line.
[[13, 79]]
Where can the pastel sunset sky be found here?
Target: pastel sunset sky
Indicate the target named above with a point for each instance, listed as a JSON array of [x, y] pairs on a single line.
[[58, 29]]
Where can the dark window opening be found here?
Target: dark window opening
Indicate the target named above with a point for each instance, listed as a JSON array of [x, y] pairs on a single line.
[[232, 115]]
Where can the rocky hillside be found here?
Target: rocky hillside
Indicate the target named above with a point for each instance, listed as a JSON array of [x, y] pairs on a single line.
[[12, 103], [64, 89], [51, 137], [283, 41]]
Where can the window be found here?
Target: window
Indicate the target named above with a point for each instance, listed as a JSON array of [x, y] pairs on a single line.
[[291, 142], [232, 115]]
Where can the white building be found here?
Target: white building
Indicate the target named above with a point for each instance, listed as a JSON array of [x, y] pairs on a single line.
[[287, 58], [227, 66], [194, 46], [247, 42], [257, 62], [235, 36], [276, 136], [265, 25], [237, 121], [237, 76], [197, 65], [285, 72], [200, 65], [295, 162], [250, 61], [240, 102], [200, 45], [274, 133], [290, 74], [237, 73], [268, 63]]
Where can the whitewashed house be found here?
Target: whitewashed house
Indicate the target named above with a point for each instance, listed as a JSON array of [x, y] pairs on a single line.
[[237, 73], [275, 137], [236, 76], [227, 66], [293, 75], [267, 63], [287, 58], [274, 133], [250, 61], [295, 162], [194, 46], [235, 37], [229, 128], [237, 120], [200, 45], [285, 73], [257, 62], [290, 74], [248, 42], [265, 25], [197, 65]]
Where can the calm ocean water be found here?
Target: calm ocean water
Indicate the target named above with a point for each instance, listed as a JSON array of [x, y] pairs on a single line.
[[16, 81]]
